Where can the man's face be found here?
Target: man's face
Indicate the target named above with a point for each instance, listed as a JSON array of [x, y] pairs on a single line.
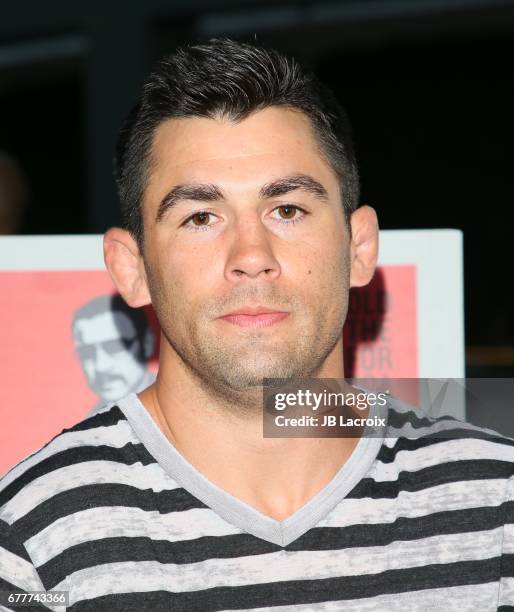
[[109, 350], [229, 247]]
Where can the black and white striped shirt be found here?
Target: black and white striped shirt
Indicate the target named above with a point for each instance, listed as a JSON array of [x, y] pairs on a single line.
[[111, 512]]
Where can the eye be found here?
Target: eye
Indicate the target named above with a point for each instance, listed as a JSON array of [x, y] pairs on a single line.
[[289, 213], [198, 221]]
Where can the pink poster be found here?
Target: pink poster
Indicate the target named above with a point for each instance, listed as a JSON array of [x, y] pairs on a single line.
[[61, 354], [380, 333]]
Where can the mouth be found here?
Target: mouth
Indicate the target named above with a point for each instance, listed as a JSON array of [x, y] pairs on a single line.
[[257, 316]]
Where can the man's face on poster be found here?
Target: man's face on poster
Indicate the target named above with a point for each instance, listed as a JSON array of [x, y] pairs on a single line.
[[111, 354]]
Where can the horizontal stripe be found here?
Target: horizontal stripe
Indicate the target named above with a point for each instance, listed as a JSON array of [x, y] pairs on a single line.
[[450, 599], [389, 451], [452, 496], [284, 566], [439, 501], [116, 436], [106, 418], [139, 476], [417, 418], [104, 496], [124, 549], [444, 473], [367, 488], [416, 455], [127, 454], [403, 528], [323, 548], [443, 499], [275, 593], [99, 523], [180, 539], [116, 416], [416, 423], [440, 431]]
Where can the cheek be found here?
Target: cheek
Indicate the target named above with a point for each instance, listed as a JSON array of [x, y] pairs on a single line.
[[129, 363], [179, 285], [180, 263], [338, 255], [197, 270], [326, 263]]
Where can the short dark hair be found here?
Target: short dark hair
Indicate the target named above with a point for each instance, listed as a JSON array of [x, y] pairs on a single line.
[[224, 78]]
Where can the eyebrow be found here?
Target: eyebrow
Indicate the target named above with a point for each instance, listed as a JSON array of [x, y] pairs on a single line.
[[201, 192]]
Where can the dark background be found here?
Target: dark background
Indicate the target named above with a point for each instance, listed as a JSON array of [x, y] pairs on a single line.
[[427, 85]]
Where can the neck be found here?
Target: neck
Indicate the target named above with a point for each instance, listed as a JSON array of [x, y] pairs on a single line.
[[227, 445]]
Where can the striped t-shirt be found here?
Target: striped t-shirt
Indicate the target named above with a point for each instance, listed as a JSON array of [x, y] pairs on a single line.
[[112, 513]]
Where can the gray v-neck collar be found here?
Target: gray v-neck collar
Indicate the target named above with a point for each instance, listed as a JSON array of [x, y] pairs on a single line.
[[232, 509]]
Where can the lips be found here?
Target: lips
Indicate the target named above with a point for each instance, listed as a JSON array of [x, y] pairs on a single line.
[[252, 310], [255, 316]]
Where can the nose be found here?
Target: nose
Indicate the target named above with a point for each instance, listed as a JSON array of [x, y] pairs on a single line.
[[251, 254]]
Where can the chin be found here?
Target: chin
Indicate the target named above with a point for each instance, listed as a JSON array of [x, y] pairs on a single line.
[[240, 379], [111, 396]]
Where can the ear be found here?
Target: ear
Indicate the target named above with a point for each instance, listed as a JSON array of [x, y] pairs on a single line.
[[363, 246], [126, 267]]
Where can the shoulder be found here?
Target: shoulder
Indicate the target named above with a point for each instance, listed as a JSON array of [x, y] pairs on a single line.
[[98, 449]]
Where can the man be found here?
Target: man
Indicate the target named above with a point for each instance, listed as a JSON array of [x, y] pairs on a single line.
[[114, 343], [239, 188]]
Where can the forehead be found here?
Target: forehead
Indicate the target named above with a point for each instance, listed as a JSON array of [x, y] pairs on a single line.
[[269, 143], [105, 326]]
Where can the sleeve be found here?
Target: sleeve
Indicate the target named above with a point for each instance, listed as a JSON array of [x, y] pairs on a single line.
[[17, 573], [506, 589]]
